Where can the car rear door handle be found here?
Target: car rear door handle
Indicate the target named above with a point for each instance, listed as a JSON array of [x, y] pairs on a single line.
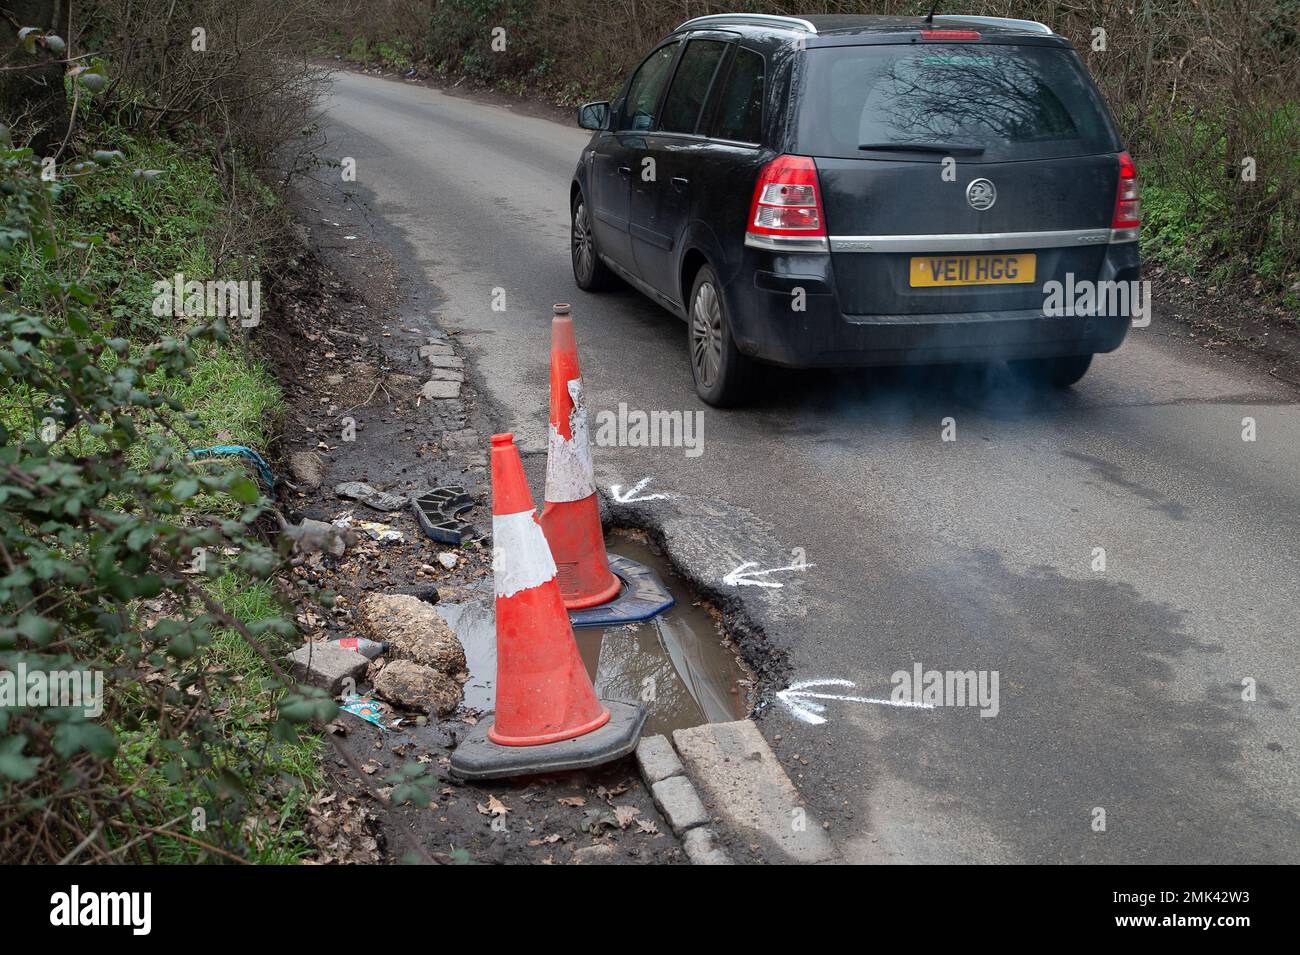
[[625, 170], [681, 182]]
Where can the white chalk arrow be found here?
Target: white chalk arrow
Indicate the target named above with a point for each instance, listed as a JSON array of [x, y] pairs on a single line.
[[742, 576], [616, 492], [801, 699]]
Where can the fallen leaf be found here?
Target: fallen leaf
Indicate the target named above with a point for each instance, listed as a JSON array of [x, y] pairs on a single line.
[[574, 801], [494, 807], [625, 815], [609, 794]]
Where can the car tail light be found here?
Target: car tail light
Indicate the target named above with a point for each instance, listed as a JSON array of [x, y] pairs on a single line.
[[787, 201], [949, 35], [1127, 205]]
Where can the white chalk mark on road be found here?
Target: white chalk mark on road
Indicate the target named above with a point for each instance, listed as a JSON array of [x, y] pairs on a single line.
[[631, 496], [801, 699], [742, 576]]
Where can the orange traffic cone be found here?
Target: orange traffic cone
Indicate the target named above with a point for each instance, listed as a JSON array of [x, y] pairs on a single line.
[[571, 514], [543, 692]]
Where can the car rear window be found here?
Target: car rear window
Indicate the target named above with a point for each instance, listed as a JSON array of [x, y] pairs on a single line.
[[1017, 102], [740, 107]]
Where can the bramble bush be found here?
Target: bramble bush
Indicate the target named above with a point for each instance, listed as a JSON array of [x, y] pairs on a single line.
[[107, 569], [121, 556]]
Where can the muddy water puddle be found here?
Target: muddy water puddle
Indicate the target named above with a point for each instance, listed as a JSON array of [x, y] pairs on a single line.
[[675, 664]]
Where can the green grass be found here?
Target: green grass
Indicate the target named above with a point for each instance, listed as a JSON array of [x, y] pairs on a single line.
[[297, 762], [152, 229], [1171, 233], [232, 393], [359, 51], [1201, 219], [236, 401], [1176, 236], [393, 53], [234, 397], [155, 228], [269, 822]]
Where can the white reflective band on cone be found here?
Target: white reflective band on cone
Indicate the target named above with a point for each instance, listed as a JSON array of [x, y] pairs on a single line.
[[569, 476], [521, 558]]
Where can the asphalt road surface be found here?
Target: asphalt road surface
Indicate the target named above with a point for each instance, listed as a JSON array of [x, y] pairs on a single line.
[[1118, 690]]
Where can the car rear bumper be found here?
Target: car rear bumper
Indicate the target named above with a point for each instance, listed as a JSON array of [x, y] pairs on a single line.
[[764, 296]]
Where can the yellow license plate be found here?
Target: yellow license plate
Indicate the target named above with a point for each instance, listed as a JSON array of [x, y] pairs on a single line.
[[928, 271]]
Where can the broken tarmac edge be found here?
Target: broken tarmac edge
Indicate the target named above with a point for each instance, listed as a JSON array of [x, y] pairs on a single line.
[[725, 775]]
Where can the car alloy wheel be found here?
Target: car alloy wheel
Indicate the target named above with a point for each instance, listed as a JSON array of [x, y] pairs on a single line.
[[706, 335], [584, 250]]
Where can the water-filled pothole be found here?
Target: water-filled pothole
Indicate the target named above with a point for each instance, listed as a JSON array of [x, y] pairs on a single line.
[[677, 664]]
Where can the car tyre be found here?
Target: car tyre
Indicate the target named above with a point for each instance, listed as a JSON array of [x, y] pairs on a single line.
[[1054, 372], [591, 274], [723, 376]]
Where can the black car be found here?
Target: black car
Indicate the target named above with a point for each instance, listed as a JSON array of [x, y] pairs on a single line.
[[857, 190]]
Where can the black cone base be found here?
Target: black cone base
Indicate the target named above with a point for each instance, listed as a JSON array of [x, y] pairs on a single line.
[[477, 757]]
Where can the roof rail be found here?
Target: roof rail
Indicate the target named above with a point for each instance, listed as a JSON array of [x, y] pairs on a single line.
[[755, 19], [1031, 25]]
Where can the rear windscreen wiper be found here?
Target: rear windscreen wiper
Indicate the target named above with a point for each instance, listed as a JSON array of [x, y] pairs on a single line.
[[955, 149]]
